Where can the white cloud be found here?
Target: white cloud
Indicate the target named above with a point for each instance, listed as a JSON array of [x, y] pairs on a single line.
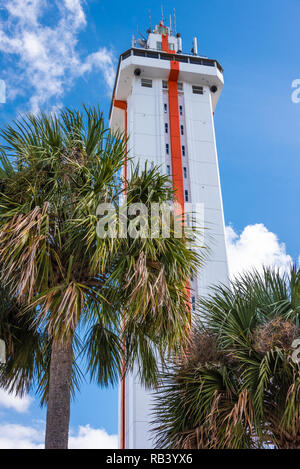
[[91, 438], [42, 58], [10, 401], [26, 10], [102, 61], [75, 7], [253, 248], [15, 436]]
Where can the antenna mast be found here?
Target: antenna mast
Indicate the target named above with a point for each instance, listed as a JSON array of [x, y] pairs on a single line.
[[162, 14], [150, 20], [175, 28]]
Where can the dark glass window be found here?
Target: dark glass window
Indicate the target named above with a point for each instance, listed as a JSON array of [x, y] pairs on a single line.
[[198, 89], [146, 83]]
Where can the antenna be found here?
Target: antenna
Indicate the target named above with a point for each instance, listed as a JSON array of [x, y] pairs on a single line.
[[170, 25], [150, 20], [195, 46], [162, 14], [175, 28], [139, 32]]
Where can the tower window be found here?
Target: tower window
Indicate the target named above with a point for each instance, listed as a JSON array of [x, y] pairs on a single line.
[[180, 110], [180, 86], [147, 83], [198, 89], [186, 195], [166, 128], [171, 46], [183, 150], [165, 85], [167, 148], [159, 45], [165, 107], [184, 173], [168, 169], [182, 130]]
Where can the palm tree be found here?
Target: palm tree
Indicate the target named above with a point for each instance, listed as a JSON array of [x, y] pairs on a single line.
[[238, 385], [24, 345], [56, 170]]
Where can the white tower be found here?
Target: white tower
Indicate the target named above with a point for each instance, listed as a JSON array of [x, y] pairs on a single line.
[[165, 101]]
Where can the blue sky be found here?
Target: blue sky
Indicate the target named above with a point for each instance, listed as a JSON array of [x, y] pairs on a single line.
[[65, 53]]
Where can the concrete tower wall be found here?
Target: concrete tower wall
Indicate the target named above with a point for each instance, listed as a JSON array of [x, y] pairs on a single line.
[[205, 184]]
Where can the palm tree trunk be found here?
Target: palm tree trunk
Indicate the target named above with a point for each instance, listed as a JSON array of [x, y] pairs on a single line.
[[58, 408]]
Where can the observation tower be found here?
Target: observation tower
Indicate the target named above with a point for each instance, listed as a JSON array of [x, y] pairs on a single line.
[[164, 100]]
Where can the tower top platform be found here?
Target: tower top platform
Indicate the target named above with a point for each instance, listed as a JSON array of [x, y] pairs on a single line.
[[150, 58]]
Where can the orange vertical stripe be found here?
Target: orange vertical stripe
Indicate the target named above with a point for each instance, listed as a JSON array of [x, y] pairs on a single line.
[[125, 166], [175, 134], [122, 403], [175, 139], [165, 42], [123, 105]]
